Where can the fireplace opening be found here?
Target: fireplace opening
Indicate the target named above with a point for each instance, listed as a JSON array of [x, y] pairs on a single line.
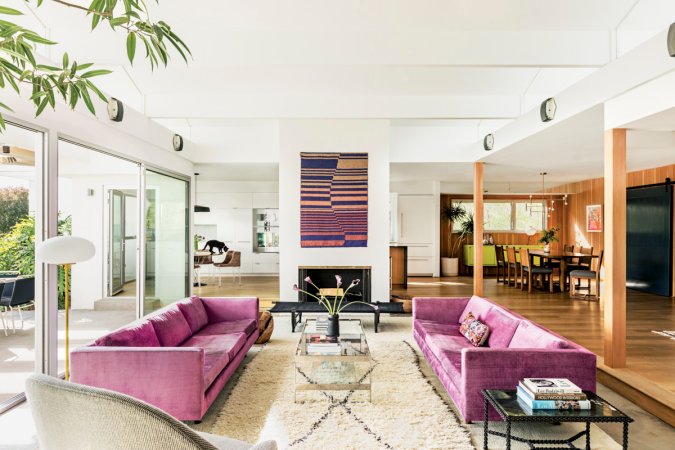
[[324, 279]]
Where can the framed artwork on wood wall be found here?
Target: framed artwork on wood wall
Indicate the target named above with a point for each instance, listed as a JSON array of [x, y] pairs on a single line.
[[594, 218]]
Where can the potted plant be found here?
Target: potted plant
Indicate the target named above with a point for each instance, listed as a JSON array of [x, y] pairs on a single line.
[[548, 236], [452, 213], [335, 306]]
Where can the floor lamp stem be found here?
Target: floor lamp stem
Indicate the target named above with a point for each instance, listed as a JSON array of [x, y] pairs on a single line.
[[66, 273]]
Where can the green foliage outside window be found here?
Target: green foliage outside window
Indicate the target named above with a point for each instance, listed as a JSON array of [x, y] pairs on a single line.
[[17, 250], [14, 206]]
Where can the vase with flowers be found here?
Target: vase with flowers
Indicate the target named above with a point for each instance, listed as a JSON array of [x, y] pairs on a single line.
[[334, 304], [548, 236], [197, 239]]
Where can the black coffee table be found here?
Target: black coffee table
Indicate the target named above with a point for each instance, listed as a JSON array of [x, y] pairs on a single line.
[[296, 309], [511, 410]]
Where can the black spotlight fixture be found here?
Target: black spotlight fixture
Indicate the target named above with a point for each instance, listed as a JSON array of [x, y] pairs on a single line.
[[488, 142], [547, 109], [671, 40], [115, 110], [199, 208]]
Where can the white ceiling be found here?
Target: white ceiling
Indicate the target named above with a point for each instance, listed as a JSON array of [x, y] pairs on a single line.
[[443, 70]]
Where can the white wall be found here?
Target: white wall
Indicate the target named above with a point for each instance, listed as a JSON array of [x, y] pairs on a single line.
[[232, 204], [371, 136]]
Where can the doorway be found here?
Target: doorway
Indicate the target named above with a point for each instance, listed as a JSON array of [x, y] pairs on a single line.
[[122, 242], [649, 240]]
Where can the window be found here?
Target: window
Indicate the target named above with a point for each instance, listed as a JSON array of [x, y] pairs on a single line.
[[512, 216], [525, 218]]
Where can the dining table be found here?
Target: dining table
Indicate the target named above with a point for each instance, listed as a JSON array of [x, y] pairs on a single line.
[[563, 257]]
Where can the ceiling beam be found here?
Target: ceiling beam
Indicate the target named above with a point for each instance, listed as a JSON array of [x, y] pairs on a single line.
[[331, 106]]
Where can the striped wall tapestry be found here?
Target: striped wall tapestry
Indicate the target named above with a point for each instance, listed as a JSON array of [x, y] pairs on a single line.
[[334, 200]]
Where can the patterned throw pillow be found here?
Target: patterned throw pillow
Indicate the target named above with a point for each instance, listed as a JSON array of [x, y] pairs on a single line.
[[474, 330]]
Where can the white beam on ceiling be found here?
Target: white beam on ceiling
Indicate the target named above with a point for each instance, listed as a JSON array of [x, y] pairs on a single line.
[[331, 106]]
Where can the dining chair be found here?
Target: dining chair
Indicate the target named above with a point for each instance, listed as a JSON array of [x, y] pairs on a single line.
[[512, 263], [501, 263], [590, 275], [233, 261], [529, 271], [16, 295], [583, 263]]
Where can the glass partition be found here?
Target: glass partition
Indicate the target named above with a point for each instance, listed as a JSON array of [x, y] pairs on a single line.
[[21, 149], [93, 188], [166, 240]]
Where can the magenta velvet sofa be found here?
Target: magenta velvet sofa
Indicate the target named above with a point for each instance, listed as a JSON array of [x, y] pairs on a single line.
[[516, 348], [177, 359]]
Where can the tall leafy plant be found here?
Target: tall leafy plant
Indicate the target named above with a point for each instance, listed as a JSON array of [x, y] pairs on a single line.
[[72, 80], [465, 230], [17, 250], [548, 236], [14, 206], [452, 213]]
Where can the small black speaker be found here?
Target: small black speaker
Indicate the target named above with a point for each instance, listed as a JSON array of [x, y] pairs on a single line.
[[671, 40]]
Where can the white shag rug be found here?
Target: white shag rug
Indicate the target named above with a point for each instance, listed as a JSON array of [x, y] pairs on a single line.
[[406, 411]]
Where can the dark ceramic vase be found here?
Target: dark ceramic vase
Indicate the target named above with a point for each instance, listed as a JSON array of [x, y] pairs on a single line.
[[333, 326]]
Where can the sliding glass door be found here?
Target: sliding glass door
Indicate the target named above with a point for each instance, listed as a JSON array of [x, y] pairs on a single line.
[[167, 222]]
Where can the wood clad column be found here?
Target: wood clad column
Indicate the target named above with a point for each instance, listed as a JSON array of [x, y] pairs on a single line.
[[478, 229], [615, 249]]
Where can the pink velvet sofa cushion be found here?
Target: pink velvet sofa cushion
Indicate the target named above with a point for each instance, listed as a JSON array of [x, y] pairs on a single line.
[[137, 335], [246, 326], [194, 313], [502, 327], [528, 335], [171, 327], [218, 351], [426, 327], [478, 306]]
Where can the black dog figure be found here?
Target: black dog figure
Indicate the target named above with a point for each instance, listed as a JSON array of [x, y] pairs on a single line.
[[222, 248]]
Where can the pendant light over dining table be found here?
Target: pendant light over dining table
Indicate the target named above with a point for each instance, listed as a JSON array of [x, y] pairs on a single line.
[[199, 208]]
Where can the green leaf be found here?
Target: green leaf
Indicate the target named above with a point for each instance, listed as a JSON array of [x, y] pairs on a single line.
[[2, 122], [41, 106], [10, 11], [3, 106], [74, 96], [87, 100], [83, 66], [65, 61], [118, 21], [96, 91], [31, 36], [95, 73], [131, 46]]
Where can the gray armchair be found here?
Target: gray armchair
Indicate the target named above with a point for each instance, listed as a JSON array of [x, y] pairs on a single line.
[[73, 416]]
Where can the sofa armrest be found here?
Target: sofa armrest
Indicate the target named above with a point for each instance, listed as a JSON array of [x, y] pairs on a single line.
[[503, 368], [223, 309], [170, 378], [439, 309]]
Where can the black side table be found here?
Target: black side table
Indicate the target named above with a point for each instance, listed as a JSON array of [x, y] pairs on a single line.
[[511, 410]]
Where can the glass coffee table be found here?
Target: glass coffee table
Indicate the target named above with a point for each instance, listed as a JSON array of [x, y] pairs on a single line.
[[349, 368], [511, 410]]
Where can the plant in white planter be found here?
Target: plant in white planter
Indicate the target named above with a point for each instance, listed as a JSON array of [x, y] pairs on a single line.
[[452, 213], [548, 236]]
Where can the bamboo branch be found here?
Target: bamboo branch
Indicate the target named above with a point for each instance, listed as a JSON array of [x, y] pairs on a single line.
[[82, 8]]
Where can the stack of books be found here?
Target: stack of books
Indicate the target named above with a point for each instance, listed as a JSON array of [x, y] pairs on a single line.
[[552, 393], [322, 324], [319, 345]]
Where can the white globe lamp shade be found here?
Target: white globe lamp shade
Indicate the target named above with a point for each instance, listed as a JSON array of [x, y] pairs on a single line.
[[531, 231], [64, 250]]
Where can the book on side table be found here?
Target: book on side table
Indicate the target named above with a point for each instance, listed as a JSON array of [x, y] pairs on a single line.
[[552, 393]]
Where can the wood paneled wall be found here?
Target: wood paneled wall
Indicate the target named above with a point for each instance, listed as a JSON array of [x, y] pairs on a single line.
[[502, 237], [591, 192]]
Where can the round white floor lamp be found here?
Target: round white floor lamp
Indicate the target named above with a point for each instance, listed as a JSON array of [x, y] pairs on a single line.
[[65, 251]]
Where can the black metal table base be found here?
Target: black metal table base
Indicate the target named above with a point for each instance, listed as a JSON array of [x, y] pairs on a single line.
[[296, 318], [533, 443]]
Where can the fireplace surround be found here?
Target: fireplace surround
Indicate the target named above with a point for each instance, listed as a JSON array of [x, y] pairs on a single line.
[[324, 278]]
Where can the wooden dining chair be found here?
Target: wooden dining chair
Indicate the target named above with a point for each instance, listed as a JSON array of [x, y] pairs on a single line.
[[583, 263], [589, 275], [512, 264], [529, 272], [501, 264]]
